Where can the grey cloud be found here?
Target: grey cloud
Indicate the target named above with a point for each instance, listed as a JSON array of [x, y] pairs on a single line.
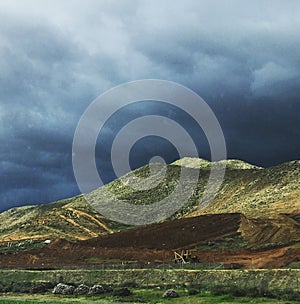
[[57, 56]]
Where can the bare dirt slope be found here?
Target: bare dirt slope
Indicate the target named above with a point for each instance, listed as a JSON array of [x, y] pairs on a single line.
[[228, 239]]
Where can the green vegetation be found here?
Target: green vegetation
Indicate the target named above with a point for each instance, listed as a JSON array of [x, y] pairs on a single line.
[[150, 284], [119, 188], [10, 247], [138, 296], [227, 243]]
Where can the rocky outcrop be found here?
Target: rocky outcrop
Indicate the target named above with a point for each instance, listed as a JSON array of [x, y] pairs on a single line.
[[81, 289], [170, 294], [64, 289], [96, 290]]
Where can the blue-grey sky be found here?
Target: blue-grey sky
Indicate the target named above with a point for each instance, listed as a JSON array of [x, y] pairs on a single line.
[[242, 57]]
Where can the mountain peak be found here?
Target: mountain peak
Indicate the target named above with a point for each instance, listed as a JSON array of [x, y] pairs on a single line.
[[199, 163]]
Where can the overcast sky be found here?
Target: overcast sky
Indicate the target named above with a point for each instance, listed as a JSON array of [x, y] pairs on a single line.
[[242, 57]]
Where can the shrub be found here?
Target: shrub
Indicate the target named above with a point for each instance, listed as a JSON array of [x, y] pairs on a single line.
[[122, 292]]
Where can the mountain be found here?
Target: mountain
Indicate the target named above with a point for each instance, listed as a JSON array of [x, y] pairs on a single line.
[[246, 189]]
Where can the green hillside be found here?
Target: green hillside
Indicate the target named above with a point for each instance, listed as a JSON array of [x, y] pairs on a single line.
[[247, 189]]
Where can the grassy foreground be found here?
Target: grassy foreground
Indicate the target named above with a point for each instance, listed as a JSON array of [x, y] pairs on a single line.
[[138, 296]]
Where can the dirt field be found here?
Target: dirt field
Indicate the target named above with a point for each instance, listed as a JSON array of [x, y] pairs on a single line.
[[228, 239]]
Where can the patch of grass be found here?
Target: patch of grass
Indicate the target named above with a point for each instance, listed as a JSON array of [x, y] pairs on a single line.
[[268, 245], [153, 295], [12, 247], [236, 242]]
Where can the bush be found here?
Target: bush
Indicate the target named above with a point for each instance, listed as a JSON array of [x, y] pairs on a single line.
[[192, 292], [130, 284], [40, 287], [122, 292], [284, 295]]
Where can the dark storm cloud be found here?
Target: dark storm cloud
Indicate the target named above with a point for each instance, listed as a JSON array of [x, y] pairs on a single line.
[[36, 68], [57, 56], [247, 70]]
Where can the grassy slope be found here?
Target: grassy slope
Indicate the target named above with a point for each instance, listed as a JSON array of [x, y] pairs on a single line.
[[138, 296], [259, 193], [71, 219], [247, 189]]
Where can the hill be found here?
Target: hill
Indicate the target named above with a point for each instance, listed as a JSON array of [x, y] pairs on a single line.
[[72, 219], [247, 189], [258, 192]]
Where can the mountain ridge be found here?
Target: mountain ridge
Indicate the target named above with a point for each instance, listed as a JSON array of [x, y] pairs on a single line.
[[199, 163]]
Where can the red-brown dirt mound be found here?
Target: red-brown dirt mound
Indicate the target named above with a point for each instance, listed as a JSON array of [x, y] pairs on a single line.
[[229, 239], [172, 235]]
